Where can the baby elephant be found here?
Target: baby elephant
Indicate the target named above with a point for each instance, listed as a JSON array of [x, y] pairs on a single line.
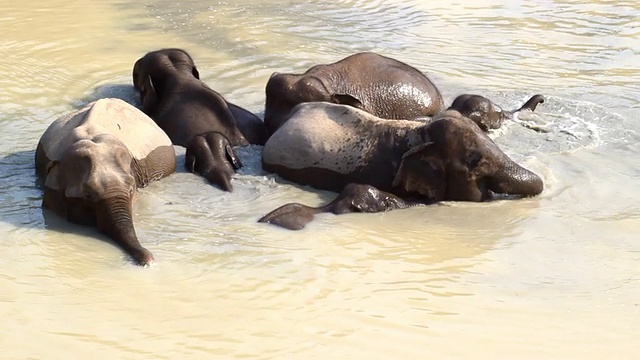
[[195, 116], [381, 165], [93, 160], [485, 113]]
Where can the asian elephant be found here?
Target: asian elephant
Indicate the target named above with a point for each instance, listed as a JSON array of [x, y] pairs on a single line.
[[194, 115], [485, 113], [380, 85], [93, 160], [383, 165]]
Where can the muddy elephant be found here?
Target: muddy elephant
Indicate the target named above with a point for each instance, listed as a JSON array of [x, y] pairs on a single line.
[[380, 85], [194, 115], [485, 113], [382, 165], [92, 161]]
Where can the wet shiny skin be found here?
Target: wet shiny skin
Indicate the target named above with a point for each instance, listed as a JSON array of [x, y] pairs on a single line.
[[551, 277]]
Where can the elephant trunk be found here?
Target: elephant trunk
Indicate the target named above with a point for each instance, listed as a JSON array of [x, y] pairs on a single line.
[[212, 156], [513, 179], [114, 219], [532, 103]]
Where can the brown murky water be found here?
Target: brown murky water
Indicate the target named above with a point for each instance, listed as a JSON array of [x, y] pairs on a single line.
[[557, 276]]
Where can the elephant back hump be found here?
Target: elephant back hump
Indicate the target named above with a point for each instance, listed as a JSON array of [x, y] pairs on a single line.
[[336, 138], [132, 127], [137, 131], [316, 135]]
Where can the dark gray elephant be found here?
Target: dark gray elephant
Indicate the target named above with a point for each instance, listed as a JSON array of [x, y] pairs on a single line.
[[383, 165], [93, 160], [485, 113], [188, 110], [380, 85]]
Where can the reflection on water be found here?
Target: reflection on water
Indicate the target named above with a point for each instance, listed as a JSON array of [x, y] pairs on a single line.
[[553, 276]]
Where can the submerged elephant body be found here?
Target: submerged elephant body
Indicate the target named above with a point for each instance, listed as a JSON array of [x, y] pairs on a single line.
[[331, 146], [485, 113], [191, 113], [380, 85], [92, 161]]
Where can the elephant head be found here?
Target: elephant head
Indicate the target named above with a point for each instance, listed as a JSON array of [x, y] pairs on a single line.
[[285, 91], [485, 113], [457, 161], [93, 184], [212, 156], [151, 72]]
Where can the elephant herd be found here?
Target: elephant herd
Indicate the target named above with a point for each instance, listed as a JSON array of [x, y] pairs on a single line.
[[369, 127]]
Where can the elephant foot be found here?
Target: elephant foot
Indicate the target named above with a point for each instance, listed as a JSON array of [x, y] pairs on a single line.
[[212, 156], [293, 216], [365, 199]]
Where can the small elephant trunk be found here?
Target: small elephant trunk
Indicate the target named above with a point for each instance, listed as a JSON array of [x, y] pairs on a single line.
[[513, 179], [532, 103], [114, 219]]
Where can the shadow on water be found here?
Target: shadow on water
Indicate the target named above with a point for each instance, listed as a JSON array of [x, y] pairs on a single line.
[[19, 190]]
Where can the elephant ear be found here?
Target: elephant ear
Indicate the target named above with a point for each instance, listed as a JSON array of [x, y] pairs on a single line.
[[195, 72], [232, 157], [149, 96], [190, 162], [421, 173], [51, 175], [346, 99]]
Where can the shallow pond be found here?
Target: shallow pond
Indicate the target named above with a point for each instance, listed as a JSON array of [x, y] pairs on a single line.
[[556, 276]]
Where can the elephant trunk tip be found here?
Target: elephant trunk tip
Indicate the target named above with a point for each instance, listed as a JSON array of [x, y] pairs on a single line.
[[532, 103], [143, 257]]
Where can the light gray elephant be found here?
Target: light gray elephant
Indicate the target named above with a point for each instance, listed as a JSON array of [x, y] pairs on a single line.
[[92, 161], [382, 165]]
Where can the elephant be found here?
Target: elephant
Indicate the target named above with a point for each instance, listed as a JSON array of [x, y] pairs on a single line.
[[92, 161], [380, 85], [381, 165], [188, 110], [485, 113]]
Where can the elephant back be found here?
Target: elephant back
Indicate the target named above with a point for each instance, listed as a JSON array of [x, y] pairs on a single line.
[[138, 132], [343, 142]]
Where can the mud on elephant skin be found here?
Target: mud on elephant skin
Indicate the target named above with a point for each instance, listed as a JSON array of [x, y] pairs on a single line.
[[186, 108], [92, 161], [380, 85], [399, 163]]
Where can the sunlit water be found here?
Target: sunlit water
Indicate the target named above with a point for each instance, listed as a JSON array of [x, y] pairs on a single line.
[[556, 276]]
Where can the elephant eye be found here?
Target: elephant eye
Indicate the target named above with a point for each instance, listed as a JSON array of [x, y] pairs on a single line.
[[473, 159], [87, 194]]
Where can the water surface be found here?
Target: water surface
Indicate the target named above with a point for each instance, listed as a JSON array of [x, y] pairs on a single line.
[[555, 276]]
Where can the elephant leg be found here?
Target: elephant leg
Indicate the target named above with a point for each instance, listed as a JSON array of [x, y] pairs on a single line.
[[353, 198], [251, 126], [212, 156], [292, 216]]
